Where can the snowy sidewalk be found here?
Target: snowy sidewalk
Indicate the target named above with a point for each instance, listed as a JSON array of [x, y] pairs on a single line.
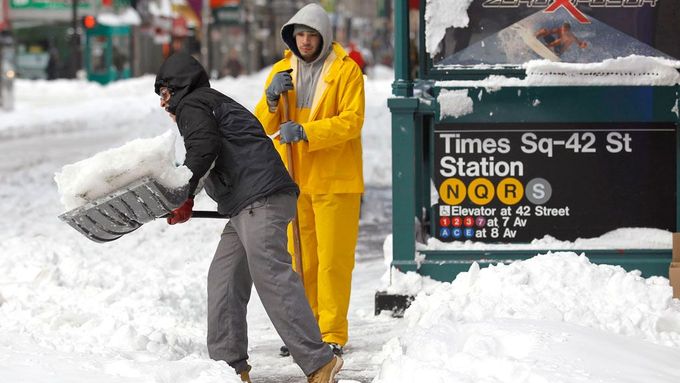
[[133, 310]]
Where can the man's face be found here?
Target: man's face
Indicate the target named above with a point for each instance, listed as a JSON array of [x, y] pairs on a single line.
[[166, 94], [308, 43]]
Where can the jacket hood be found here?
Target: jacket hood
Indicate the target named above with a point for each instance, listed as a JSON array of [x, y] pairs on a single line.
[[313, 16], [181, 73]]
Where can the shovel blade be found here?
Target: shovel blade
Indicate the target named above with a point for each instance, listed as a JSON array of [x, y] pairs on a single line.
[[125, 210]]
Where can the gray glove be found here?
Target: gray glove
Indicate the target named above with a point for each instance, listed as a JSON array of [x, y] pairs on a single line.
[[281, 82], [291, 131]]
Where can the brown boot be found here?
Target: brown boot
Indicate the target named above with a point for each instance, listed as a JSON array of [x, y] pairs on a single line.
[[326, 374], [245, 375]]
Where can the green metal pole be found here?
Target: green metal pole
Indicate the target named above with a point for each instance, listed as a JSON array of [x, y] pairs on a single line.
[[402, 86], [677, 164], [403, 108], [403, 182]]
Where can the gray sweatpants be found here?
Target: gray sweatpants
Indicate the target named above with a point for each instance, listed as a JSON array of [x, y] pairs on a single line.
[[253, 251]]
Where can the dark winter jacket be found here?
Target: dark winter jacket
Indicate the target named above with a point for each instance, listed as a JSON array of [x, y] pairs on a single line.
[[216, 129]]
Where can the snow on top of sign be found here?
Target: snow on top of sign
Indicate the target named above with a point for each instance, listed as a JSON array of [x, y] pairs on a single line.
[[113, 169], [623, 238], [633, 70], [440, 15], [454, 103]]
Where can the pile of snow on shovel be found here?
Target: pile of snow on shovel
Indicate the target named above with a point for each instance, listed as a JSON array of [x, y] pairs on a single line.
[[113, 169]]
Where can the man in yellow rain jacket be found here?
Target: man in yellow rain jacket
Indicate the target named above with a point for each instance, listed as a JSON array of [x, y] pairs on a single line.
[[325, 91]]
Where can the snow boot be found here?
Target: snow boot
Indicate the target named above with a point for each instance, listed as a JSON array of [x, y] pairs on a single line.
[[245, 374], [326, 374]]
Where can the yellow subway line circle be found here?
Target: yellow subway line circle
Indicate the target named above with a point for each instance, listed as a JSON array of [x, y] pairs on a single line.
[[481, 191], [510, 191], [452, 191]]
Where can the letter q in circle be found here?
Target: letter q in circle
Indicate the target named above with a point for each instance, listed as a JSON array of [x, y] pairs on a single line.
[[481, 191]]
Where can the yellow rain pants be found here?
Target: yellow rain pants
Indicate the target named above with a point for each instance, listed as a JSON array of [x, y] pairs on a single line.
[[328, 233]]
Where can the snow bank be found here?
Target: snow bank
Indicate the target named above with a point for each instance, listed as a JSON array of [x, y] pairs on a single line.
[[558, 287], [113, 169], [535, 321], [60, 106]]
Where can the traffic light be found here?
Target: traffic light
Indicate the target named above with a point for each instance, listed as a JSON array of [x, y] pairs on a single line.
[[89, 22]]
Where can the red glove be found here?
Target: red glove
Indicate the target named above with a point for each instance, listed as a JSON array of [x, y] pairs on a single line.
[[182, 213]]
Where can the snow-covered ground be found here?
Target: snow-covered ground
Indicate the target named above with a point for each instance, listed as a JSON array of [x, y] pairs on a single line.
[[133, 310]]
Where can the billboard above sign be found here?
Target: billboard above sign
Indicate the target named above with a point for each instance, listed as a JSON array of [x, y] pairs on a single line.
[[502, 32]]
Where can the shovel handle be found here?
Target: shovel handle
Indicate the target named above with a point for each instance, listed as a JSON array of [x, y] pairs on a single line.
[[202, 214], [297, 246], [206, 214], [284, 106]]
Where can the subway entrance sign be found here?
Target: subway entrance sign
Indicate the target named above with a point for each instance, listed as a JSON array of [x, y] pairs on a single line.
[[532, 125], [513, 183]]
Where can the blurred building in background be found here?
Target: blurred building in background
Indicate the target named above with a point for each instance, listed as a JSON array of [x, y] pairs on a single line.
[[106, 40], [249, 30], [64, 39]]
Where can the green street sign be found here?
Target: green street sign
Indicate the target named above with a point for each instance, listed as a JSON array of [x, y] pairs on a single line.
[[47, 4], [229, 15]]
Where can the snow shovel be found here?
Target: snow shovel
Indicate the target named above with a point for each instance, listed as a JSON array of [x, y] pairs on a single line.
[[297, 249], [127, 209]]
